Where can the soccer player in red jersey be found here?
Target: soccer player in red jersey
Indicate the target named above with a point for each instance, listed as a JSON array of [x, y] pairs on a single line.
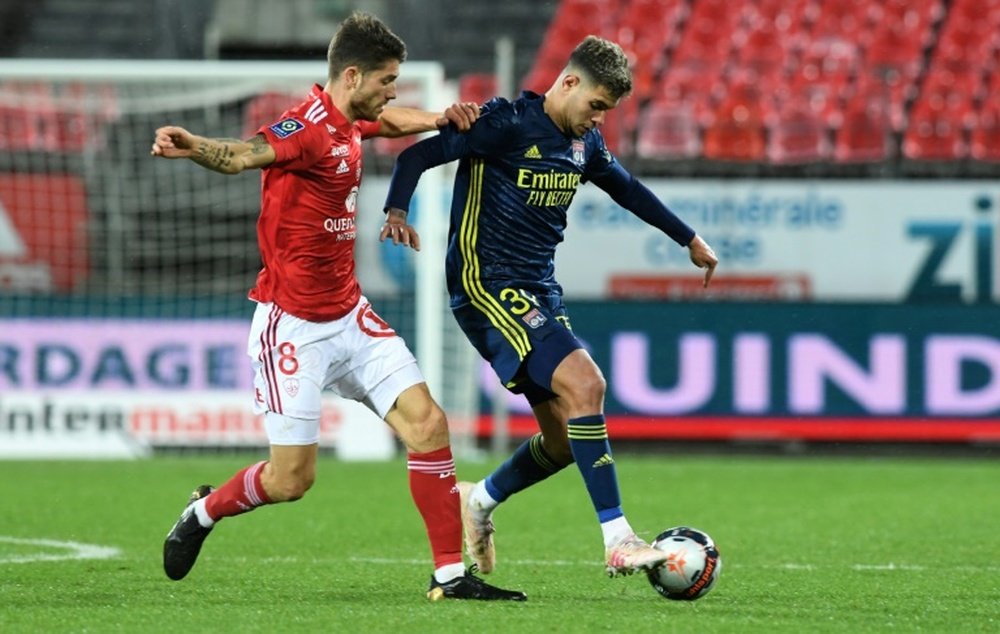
[[313, 329]]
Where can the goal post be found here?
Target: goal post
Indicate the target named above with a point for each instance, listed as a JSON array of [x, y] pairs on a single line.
[[92, 227]]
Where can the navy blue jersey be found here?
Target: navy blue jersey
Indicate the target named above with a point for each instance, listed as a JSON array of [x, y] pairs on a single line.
[[517, 175], [516, 179]]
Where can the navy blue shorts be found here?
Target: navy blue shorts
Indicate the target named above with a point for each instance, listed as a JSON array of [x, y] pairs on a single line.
[[523, 336]]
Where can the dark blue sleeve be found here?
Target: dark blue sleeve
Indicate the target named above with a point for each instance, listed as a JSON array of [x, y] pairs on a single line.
[[626, 190], [410, 165], [488, 134]]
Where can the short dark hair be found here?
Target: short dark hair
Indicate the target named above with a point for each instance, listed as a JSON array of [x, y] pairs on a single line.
[[363, 41], [604, 63]]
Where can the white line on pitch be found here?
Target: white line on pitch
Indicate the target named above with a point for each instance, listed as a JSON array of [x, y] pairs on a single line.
[[71, 550], [890, 567], [519, 562]]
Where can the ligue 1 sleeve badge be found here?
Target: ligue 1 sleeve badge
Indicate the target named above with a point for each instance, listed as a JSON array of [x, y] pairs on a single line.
[[578, 151], [286, 128]]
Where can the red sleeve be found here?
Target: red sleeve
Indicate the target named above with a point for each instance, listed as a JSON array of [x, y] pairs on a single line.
[[297, 144], [369, 128]]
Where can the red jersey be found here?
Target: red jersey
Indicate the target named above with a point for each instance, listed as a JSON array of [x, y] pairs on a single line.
[[309, 197]]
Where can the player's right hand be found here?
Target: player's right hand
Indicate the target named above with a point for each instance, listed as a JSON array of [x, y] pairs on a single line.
[[463, 114], [173, 142], [398, 230], [703, 257]]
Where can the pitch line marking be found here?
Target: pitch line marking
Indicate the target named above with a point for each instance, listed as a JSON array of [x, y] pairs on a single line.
[[73, 550], [889, 567]]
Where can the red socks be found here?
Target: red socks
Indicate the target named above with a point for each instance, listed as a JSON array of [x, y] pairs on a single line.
[[433, 487], [243, 492]]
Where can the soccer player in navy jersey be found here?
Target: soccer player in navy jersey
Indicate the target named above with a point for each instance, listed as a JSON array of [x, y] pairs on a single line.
[[313, 329], [519, 168]]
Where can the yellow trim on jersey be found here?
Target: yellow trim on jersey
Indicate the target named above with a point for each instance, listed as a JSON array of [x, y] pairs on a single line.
[[468, 234]]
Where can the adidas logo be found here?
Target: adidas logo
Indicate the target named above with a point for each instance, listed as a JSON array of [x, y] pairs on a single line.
[[603, 461], [342, 168], [533, 153]]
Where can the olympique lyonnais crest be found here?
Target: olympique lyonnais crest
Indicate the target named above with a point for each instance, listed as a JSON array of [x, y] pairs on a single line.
[[578, 152], [534, 319], [292, 386]]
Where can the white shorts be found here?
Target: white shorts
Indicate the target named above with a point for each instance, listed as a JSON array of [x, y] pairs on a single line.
[[358, 357]]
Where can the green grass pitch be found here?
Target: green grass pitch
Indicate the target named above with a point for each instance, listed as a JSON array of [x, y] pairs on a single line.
[[808, 545]]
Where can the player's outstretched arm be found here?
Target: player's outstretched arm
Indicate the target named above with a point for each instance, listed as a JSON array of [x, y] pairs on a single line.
[[226, 156], [703, 257], [398, 121]]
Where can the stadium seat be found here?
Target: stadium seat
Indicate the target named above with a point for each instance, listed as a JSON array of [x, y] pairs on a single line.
[[573, 20], [20, 124], [668, 130], [984, 141], [863, 135], [477, 87], [826, 67], [646, 30], [798, 135], [968, 82], [933, 135], [737, 133], [763, 51]]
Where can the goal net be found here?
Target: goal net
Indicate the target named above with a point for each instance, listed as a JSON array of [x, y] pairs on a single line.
[[96, 234]]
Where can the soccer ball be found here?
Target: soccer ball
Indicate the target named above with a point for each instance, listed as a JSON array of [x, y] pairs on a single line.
[[692, 567]]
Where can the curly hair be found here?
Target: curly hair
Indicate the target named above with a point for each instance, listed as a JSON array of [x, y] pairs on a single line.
[[604, 63], [363, 41]]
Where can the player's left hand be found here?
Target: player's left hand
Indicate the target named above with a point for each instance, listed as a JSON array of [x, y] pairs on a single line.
[[395, 227], [462, 114], [703, 257]]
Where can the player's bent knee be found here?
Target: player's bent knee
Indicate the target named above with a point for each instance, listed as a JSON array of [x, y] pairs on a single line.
[[292, 489], [288, 487], [427, 433], [585, 391]]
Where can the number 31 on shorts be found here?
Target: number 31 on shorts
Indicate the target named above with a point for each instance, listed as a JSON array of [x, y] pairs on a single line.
[[519, 300]]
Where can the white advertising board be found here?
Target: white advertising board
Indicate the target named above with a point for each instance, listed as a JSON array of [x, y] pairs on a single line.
[[101, 424], [881, 241]]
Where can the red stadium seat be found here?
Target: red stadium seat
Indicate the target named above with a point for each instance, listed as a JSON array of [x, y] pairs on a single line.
[[477, 87], [863, 135], [798, 135], [967, 83], [933, 135], [984, 142], [738, 132], [646, 30], [573, 20], [668, 130]]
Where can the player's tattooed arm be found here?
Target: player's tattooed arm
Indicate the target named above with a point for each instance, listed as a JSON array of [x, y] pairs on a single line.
[[228, 156], [231, 156], [215, 154]]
